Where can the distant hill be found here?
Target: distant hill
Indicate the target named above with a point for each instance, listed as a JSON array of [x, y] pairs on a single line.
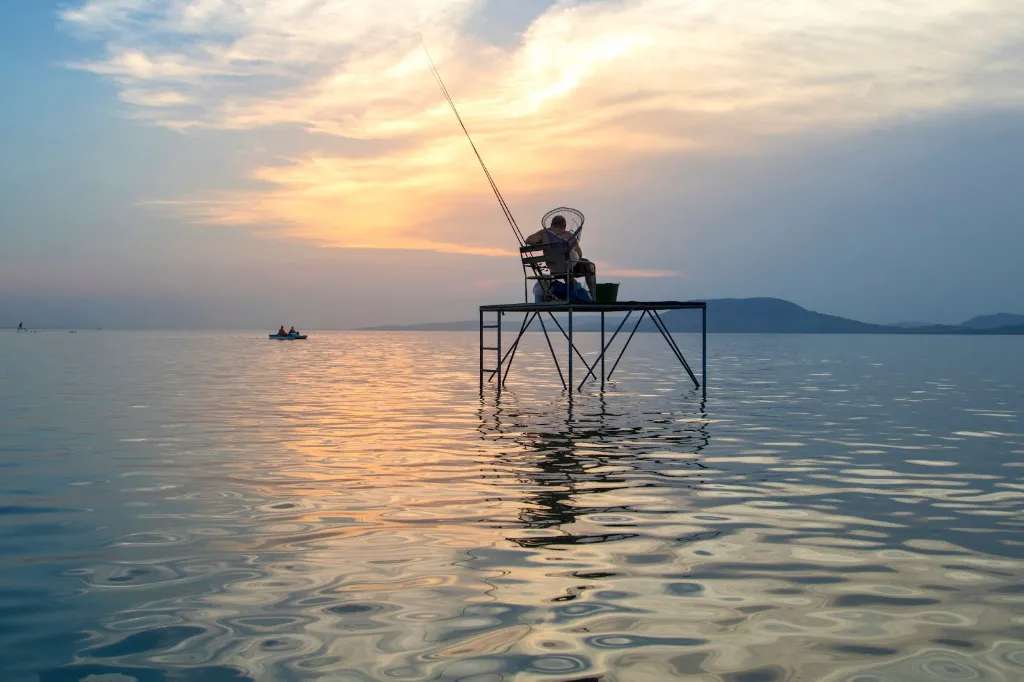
[[1011, 329], [767, 315], [910, 325], [994, 321], [760, 315]]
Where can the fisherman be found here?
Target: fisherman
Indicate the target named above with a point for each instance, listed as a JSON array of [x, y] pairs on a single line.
[[281, 331], [21, 326], [578, 265], [292, 332]]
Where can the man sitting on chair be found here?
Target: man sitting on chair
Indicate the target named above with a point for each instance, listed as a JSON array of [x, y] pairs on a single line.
[[578, 265]]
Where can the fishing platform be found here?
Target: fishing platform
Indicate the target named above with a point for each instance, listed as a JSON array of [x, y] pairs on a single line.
[[596, 369], [553, 262]]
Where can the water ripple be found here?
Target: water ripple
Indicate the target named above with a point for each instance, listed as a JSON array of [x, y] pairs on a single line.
[[839, 509]]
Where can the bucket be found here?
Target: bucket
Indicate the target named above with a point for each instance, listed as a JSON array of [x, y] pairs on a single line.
[[607, 292]]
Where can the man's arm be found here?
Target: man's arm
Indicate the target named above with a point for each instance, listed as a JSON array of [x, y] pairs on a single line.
[[573, 245]]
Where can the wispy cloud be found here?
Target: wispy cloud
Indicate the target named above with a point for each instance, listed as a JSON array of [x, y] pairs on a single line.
[[154, 98], [589, 86]]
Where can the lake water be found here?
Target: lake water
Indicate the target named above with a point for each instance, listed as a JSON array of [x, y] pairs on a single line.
[[217, 506]]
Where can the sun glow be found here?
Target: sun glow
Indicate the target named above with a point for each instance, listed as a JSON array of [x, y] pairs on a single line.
[[588, 87]]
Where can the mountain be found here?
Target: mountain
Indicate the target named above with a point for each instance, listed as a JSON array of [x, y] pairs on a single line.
[[756, 315], [994, 321], [910, 324], [771, 315]]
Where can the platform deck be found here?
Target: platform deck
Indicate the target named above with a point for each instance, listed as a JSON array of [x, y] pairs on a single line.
[[621, 306]]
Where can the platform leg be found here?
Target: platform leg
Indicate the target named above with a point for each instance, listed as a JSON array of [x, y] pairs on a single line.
[[667, 335], [551, 348], [500, 313], [602, 350], [626, 345], [481, 351], [704, 350], [511, 352], [527, 319], [590, 368], [571, 348], [605, 347]]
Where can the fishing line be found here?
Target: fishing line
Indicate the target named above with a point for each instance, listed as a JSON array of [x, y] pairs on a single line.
[[490, 179]]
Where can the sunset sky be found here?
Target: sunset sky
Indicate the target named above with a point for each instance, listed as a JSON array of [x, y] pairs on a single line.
[[247, 163]]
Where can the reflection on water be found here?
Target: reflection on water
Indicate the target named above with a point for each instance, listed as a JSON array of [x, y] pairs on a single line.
[[559, 458], [216, 507]]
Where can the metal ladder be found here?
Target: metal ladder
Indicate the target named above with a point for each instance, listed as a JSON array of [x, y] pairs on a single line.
[[496, 348]]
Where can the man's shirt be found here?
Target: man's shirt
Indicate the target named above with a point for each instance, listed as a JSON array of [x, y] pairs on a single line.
[[541, 236]]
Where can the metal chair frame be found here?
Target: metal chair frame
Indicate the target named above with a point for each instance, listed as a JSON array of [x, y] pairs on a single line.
[[537, 267]]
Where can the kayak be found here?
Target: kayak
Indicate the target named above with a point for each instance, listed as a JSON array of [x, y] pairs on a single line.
[[288, 337]]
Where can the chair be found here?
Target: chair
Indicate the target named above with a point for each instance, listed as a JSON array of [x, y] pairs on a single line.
[[549, 262]]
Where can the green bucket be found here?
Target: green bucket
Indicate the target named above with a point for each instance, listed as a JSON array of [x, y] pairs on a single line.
[[608, 292]]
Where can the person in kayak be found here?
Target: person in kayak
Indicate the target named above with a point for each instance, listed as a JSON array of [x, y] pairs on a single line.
[[281, 331], [579, 264], [292, 331]]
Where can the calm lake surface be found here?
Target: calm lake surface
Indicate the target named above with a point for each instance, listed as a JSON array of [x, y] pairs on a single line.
[[217, 506]]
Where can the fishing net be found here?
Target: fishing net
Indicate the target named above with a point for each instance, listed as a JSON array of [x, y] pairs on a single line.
[[573, 219]]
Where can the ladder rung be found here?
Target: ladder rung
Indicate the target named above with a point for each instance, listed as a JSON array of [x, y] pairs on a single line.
[[489, 348], [488, 369], [488, 326]]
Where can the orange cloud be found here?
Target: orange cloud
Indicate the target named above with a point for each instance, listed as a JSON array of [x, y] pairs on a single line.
[[588, 87]]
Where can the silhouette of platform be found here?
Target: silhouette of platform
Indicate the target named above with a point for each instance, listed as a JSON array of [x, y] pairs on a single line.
[[595, 370]]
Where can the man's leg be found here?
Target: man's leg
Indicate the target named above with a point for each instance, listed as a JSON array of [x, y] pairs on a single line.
[[589, 271]]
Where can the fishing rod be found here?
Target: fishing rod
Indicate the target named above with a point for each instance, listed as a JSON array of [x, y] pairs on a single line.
[[490, 179]]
